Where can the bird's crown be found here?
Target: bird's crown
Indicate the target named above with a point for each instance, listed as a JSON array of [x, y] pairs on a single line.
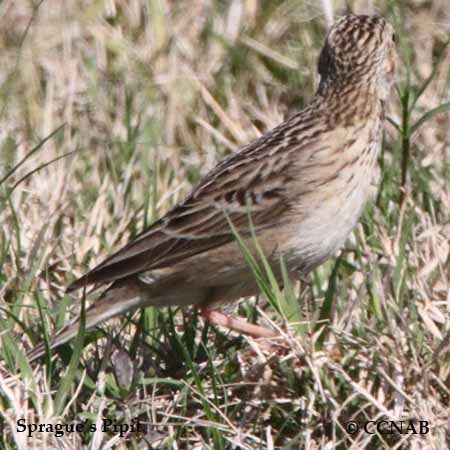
[[355, 44]]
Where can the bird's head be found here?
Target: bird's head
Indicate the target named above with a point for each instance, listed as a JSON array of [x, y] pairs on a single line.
[[360, 49]]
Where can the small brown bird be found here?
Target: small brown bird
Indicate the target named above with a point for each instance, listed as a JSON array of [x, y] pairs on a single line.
[[302, 185]]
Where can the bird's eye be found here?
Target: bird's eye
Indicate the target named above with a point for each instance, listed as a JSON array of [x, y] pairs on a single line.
[[394, 38]]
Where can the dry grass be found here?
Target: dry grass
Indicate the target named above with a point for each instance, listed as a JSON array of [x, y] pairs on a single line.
[[152, 94]]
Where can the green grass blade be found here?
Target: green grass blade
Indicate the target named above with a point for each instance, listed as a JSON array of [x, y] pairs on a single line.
[[67, 382], [31, 153], [429, 115]]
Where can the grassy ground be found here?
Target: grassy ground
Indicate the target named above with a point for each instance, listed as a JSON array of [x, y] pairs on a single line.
[[109, 113]]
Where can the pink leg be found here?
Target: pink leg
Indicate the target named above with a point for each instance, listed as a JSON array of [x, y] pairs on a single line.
[[218, 318]]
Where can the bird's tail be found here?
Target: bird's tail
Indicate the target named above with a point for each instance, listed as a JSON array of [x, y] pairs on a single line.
[[119, 298]]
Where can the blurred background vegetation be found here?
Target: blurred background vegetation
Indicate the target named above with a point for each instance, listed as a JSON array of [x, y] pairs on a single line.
[[109, 112]]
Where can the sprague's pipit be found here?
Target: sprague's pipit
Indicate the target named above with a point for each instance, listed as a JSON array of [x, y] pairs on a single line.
[[302, 186]]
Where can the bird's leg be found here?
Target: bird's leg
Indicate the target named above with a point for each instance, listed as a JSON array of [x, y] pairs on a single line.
[[218, 318]]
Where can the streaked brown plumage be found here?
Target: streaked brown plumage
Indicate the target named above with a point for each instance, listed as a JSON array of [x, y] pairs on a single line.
[[304, 183]]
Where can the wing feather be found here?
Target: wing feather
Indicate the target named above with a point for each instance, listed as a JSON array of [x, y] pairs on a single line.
[[253, 182]]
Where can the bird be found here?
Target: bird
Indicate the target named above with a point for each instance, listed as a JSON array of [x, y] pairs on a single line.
[[295, 193]]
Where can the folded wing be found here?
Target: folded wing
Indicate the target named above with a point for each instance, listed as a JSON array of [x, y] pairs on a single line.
[[249, 184]]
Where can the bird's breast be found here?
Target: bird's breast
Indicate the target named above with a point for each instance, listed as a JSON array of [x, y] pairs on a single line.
[[331, 210]]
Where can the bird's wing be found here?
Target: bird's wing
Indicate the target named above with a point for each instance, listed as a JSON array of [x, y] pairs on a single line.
[[253, 182]]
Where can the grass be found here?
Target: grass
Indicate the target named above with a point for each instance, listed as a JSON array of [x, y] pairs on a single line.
[[108, 115]]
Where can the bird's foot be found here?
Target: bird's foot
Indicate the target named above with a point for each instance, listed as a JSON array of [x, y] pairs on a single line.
[[218, 318]]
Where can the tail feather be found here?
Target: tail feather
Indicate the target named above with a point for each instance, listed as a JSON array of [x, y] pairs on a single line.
[[121, 297]]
